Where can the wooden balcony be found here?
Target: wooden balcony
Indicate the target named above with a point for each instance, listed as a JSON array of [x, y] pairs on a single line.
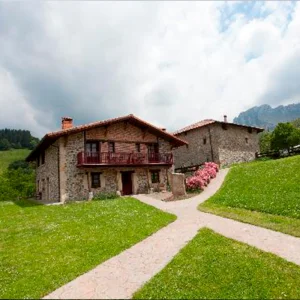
[[91, 159]]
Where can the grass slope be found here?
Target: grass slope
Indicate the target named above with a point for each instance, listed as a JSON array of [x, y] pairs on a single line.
[[212, 266], [262, 193], [44, 247], [7, 157]]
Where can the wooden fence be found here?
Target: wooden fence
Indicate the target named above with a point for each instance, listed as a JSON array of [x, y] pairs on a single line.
[[188, 169], [279, 153]]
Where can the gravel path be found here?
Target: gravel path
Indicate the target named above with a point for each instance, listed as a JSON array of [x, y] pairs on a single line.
[[120, 276]]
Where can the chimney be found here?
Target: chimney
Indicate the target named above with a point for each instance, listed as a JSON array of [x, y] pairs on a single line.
[[66, 122], [225, 119]]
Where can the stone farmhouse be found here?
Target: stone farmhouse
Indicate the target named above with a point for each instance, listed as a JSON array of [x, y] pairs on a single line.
[[221, 142], [124, 154]]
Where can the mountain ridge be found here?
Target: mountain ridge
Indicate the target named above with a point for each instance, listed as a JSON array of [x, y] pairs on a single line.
[[267, 117]]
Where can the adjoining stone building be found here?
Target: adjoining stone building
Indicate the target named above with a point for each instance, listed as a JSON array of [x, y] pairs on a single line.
[[221, 142], [124, 154]]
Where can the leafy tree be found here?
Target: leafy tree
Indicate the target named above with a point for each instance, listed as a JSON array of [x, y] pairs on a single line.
[[296, 123], [19, 164], [18, 181], [21, 182], [4, 144], [33, 142], [265, 141], [285, 136]]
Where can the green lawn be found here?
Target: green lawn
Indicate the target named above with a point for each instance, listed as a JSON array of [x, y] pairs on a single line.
[[212, 266], [44, 247], [265, 193], [6, 157]]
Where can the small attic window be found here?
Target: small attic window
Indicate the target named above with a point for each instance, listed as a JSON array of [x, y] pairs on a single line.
[[246, 140], [204, 141], [249, 129], [224, 126], [185, 133]]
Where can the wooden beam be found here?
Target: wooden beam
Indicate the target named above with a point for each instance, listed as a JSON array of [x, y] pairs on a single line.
[[106, 130]]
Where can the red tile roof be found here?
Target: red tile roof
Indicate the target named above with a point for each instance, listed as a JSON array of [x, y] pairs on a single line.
[[49, 138], [194, 126], [211, 121]]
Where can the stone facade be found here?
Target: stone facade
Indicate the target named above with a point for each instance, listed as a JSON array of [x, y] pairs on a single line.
[[223, 144], [69, 182], [47, 178]]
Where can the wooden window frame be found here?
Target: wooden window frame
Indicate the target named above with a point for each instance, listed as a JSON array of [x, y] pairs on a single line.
[[113, 146], [138, 147], [93, 184], [97, 143], [155, 176], [153, 148]]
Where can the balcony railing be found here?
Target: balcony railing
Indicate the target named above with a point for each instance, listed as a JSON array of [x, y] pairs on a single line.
[[123, 158]]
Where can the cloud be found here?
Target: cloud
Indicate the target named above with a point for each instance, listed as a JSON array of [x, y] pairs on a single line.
[[171, 63]]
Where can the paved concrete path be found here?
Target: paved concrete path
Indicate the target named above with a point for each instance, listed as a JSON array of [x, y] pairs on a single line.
[[120, 276]]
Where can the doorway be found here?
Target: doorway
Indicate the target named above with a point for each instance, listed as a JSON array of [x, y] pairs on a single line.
[[127, 182]]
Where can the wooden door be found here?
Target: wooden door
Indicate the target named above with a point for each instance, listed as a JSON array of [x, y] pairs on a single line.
[[127, 183], [92, 152]]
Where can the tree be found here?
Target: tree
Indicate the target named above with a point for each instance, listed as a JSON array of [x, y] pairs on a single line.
[[4, 144], [285, 136], [265, 141], [17, 139], [19, 164], [296, 123]]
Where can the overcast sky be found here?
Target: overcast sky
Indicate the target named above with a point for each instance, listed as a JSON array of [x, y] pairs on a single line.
[[170, 63]]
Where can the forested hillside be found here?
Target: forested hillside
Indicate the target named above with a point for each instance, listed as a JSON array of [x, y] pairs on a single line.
[[16, 139]]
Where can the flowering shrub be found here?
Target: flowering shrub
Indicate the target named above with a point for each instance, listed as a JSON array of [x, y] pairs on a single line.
[[202, 177]]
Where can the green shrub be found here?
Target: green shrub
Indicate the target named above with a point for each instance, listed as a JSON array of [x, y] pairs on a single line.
[[18, 181], [105, 196]]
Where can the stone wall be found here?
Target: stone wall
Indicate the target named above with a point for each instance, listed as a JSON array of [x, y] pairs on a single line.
[[164, 146], [47, 180], [178, 184], [142, 181], [214, 142], [199, 149], [76, 187], [237, 144], [228, 157]]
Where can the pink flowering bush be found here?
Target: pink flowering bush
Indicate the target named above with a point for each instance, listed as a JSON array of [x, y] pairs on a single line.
[[212, 165], [202, 177]]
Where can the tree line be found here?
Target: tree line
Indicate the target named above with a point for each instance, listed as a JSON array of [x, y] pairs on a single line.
[[16, 139], [283, 137]]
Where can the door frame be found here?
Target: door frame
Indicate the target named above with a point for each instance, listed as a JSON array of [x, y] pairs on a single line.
[[131, 180]]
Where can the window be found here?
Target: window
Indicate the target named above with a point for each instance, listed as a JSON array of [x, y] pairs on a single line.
[[155, 176], [204, 141], [249, 129], [38, 161], [138, 147], [246, 140], [111, 147], [153, 148], [92, 147], [96, 180], [43, 157]]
